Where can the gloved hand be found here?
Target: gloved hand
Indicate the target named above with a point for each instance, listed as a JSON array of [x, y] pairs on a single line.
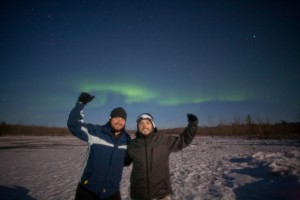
[[85, 98], [192, 118]]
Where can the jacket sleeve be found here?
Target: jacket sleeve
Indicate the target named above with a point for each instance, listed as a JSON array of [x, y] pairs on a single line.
[[184, 139], [127, 160], [76, 124]]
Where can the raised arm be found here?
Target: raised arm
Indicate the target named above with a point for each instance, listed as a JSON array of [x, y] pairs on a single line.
[[185, 138], [75, 122]]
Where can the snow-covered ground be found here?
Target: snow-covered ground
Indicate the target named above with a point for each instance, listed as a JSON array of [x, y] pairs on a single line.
[[210, 168]]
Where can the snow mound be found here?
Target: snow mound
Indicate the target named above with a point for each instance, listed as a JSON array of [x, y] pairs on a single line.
[[283, 163]]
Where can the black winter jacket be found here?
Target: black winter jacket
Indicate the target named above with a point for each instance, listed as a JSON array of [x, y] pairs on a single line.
[[150, 176]]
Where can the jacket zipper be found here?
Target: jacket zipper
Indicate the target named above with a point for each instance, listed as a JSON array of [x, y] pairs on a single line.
[[110, 161], [147, 169]]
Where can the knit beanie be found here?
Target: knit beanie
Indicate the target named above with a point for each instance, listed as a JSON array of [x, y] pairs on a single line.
[[118, 112]]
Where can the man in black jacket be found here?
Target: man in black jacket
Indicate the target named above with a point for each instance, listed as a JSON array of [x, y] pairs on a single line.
[[149, 152]]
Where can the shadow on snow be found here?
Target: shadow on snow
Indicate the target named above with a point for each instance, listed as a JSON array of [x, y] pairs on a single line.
[[14, 193], [270, 186]]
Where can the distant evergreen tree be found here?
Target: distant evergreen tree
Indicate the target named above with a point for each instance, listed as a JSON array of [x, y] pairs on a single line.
[[249, 120]]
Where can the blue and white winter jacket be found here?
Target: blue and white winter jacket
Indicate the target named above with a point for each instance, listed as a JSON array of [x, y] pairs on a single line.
[[105, 155]]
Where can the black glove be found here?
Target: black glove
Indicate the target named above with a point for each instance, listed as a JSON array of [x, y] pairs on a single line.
[[192, 118], [85, 98]]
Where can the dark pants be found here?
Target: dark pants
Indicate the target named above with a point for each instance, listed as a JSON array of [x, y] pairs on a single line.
[[84, 194]]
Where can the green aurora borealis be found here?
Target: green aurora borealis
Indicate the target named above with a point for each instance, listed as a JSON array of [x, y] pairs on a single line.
[[138, 93]]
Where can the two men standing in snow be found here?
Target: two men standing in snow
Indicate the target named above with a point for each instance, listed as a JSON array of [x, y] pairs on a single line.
[[149, 152]]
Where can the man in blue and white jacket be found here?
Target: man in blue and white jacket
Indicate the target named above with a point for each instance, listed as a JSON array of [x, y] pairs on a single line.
[[107, 145]]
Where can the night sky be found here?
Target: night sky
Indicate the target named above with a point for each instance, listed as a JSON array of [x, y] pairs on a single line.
[[221, 60]]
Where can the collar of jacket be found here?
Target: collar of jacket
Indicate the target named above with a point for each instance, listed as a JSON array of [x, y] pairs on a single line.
[[140, 135]]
